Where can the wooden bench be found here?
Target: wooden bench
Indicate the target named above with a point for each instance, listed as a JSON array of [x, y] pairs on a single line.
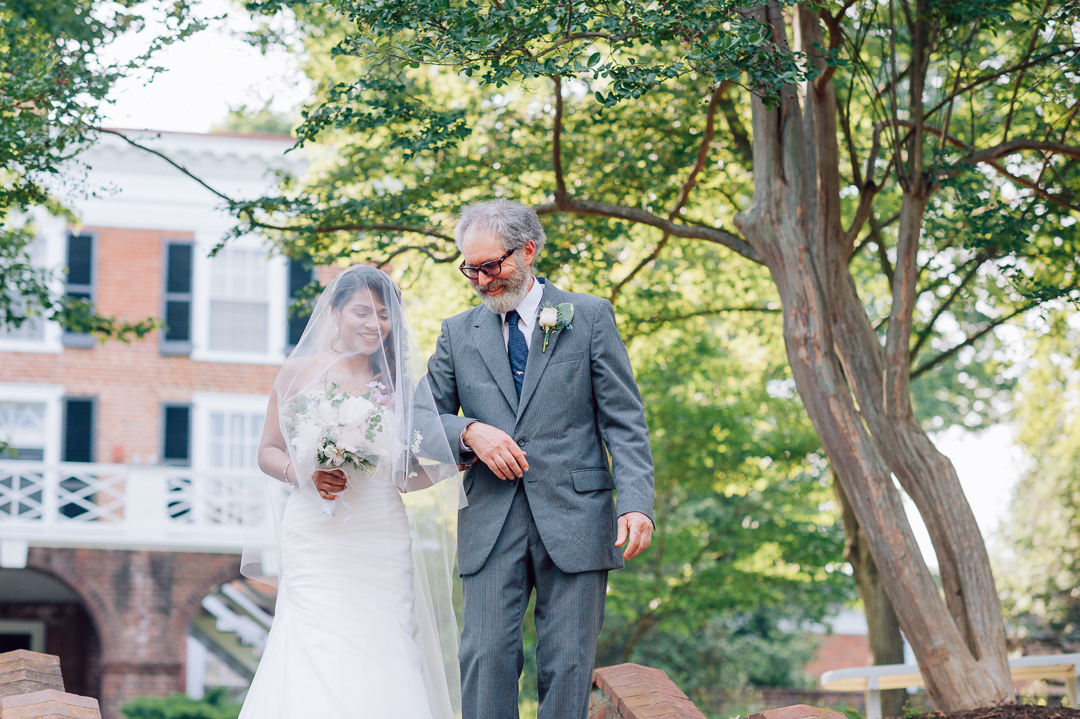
[[872, 680]]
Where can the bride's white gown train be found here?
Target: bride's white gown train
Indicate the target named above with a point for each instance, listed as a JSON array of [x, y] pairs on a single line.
[[344, 642]]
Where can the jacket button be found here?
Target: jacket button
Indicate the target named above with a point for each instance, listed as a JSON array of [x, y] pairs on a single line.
[[522, 442]]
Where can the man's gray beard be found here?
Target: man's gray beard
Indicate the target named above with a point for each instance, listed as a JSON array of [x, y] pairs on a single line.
[[515, 291]]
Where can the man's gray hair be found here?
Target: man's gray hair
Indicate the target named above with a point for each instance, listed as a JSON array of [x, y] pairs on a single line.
[[512, 222]]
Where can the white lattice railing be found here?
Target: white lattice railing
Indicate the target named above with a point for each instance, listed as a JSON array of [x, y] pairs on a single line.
[[126, 507]]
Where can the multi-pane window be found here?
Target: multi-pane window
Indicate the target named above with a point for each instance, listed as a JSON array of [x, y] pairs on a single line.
[[80, 279], [176, 442], [78, 429], [33, 328], [22, 430], [300, 276], [178, 280], [234, 439], [239, 304]]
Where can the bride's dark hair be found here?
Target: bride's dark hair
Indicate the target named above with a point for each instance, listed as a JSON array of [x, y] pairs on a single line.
[[378, 283]]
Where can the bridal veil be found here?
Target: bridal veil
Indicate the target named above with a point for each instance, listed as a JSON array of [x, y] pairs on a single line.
[[387, 417]]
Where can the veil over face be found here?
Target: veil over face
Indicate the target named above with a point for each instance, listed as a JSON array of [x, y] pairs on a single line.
[[359, 356], [351, 396]]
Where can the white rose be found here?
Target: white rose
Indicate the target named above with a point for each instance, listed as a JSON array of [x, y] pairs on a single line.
[[352, 437], [549, 317], [354, 410], [307, 434], [325, 409]]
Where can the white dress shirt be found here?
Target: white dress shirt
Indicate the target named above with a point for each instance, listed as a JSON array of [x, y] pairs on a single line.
[[528, 309]]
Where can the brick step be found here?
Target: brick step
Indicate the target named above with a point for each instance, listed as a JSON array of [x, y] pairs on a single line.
[[32, 687]]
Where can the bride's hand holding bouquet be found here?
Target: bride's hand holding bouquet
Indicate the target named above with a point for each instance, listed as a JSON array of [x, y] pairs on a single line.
[[329, 481]]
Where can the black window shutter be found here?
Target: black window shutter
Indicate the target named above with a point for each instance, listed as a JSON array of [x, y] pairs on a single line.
[[176, 445], [179, 259], [299, 277], [80, 262], [178, 267], [79, 430], [178, 318]]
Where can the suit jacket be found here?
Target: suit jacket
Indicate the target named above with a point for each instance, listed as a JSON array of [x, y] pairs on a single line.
[[579, 404]]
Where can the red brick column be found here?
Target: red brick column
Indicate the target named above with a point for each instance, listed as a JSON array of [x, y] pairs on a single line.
[[631, 691], [141, 604]]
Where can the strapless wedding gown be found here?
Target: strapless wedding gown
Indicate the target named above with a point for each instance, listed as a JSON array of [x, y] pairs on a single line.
[[344, 641]]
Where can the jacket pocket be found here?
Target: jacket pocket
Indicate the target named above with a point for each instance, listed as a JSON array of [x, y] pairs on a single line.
[[590, 480], [568, 357]]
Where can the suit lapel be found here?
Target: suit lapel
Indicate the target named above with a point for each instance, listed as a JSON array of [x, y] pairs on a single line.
[[538, 358], [488, 338]]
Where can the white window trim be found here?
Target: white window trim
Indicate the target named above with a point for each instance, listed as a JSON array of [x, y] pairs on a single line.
[[34, 627], [53, 230], [205, 403], [52, 395], [277, 301]]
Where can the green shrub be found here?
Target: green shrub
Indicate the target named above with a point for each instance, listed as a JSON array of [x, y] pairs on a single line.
[[215, 705]]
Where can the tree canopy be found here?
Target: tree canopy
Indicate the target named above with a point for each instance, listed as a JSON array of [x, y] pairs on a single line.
[[54, 84], [903, 173], [1039, 556]]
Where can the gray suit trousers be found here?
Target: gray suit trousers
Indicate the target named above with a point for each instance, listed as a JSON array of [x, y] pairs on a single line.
[[569, 613]]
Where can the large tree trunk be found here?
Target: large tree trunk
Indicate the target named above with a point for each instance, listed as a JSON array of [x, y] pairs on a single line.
[[794, 223], [886, 641]]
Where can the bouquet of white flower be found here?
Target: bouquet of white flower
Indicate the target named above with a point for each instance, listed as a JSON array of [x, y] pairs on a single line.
[[333, 429]]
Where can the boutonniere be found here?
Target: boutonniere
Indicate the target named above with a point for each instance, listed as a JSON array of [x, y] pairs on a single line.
[[553, 318]]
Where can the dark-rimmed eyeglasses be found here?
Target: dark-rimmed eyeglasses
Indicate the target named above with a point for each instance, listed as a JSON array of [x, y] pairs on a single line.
[[492, 268]]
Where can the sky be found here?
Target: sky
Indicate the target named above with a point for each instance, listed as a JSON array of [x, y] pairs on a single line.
[[206, 76], [216, 71]]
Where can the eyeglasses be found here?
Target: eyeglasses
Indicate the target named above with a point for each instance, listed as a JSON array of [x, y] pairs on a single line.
[[492, 268]]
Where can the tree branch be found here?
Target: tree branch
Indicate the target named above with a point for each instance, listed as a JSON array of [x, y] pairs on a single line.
[[934, 362], [978, 262], [697, 313], [610, 39], [314, 229], [416, 248], [882, 251], [1036, 31], [987, 156], [640, 266], [983, 79], [556, 142], [956, 80], [836, 35], [703, 150], [642, 217], [1008, 148], [163, 156]]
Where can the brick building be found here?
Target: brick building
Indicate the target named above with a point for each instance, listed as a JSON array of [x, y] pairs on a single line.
[[128, 466]]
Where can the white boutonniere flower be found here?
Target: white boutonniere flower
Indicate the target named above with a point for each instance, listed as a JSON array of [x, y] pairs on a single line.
[[553, 318]]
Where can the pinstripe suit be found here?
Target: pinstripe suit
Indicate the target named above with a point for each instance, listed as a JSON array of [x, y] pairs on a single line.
[[554, 530]]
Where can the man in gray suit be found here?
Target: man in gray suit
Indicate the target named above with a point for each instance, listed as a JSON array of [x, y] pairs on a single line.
[[543, 410]]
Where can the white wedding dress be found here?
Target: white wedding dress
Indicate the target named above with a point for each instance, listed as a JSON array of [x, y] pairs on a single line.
[[345, 641]]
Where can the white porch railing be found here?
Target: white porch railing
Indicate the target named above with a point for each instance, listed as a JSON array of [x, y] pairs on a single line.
[[128, 507]]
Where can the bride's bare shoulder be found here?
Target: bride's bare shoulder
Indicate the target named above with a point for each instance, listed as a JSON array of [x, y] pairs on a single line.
[[298, 372]]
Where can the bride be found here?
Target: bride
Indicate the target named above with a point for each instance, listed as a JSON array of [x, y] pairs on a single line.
[[364, 625]]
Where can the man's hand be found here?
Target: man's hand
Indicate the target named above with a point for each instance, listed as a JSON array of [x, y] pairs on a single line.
[[496, 449], [329, 482], [635, 531]]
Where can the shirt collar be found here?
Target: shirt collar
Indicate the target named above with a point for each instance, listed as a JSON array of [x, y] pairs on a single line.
[[529, 306]]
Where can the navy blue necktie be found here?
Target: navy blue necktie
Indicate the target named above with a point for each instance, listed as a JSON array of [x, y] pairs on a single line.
[[518, 350]]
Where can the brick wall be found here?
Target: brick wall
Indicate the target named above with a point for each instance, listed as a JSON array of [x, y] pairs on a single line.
[[141, 604], [70, 635], [837, 651], [130, 381]]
